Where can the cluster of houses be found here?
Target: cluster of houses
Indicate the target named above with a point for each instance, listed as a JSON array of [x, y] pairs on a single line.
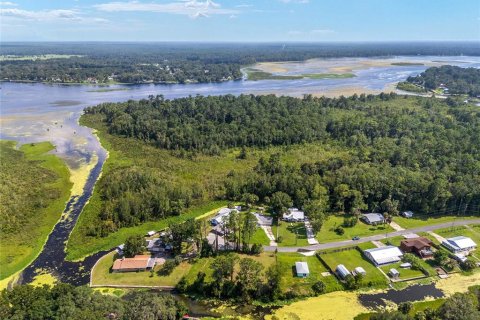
[[157, 247], [459, 246]]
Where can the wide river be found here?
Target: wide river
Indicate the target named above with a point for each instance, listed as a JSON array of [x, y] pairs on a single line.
[[50, 112]]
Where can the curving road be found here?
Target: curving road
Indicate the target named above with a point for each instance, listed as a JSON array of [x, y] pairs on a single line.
[[344, 243]]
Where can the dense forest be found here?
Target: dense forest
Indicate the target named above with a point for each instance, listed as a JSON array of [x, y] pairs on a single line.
[[398, 152], [457, 80], [182, 63], [64, 301]]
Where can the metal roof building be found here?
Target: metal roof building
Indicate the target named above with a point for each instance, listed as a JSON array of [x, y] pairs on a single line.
[[383, 255], [302, 269], [372, 218], [459, 244], [342, 271]]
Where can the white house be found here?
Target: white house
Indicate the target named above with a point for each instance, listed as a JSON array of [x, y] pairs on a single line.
[[302, 269], [372, 218], [384, 255], [223, 214], [342, 271], [294, 215], [460, 244]]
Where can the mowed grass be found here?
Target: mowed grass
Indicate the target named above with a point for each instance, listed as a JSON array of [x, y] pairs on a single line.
[[420, 221], [260, 237], [405, 273], [102, 275], [207, 171], [25, 174], [303, 286], [354, 258], [327, 233], [291, 233]]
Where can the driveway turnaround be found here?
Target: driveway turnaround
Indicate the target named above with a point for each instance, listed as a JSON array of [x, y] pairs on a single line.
[[377, 237]]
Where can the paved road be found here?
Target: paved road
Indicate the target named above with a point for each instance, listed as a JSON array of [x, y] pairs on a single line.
[[344, 243]]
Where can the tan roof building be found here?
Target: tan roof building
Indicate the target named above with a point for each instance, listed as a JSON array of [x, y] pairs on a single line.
[[137, 263]]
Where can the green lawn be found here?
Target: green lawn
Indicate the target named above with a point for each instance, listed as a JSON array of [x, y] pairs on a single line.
[[354, 258], [361, 229], [409, 223], [292, 233], [303, 286], [404, 273], [472, 232], [101, 275], [260, 237], [34, 190]]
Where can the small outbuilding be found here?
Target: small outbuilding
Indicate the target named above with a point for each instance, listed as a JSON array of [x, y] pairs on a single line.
[[383, 255], [151, 233], [301, 269], [372, 218], [460, 244], [407, 214], [393, 273], [359, 270], [342, 271]]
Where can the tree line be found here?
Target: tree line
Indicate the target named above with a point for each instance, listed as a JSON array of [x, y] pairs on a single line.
[[458, 80], [398, 152], [64, 301], [167, 62]]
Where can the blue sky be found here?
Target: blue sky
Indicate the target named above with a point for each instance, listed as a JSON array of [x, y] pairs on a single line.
[[243, 20]]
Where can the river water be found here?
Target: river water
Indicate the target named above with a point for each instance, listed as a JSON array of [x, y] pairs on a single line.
[[50, 112]]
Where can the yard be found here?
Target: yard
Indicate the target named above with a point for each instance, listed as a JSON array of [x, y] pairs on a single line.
[[420, 221], [291, 233], [101, 275], [327, 233], [303, 286], [354, 258], [405, 273]]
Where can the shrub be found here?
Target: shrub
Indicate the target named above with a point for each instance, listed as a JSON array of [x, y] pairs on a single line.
[[279, 239], [319, 287], [256, 249], [339, 230]]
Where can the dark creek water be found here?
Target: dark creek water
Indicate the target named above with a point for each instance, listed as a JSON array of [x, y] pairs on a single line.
[[412, 293], [52, 258]]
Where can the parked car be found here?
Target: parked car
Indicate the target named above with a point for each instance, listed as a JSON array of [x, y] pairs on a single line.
[[356, 238]]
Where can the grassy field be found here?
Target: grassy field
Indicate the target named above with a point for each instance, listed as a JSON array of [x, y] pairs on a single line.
[[102, 276], [293, 234], [327, 234], [256, 74], [303, 286], [207, 171], [404, 273], [260, 237], [34, 190], [420, 221], [352, 259]]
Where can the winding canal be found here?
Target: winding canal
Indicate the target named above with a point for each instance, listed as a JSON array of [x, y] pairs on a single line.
[[42, 112]]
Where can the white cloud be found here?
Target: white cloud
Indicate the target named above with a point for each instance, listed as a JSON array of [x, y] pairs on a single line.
[[192, 8], [244, 6], [8, 4], [49, 15]]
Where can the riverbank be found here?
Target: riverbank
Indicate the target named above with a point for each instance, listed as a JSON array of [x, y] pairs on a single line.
[[20, 247]]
